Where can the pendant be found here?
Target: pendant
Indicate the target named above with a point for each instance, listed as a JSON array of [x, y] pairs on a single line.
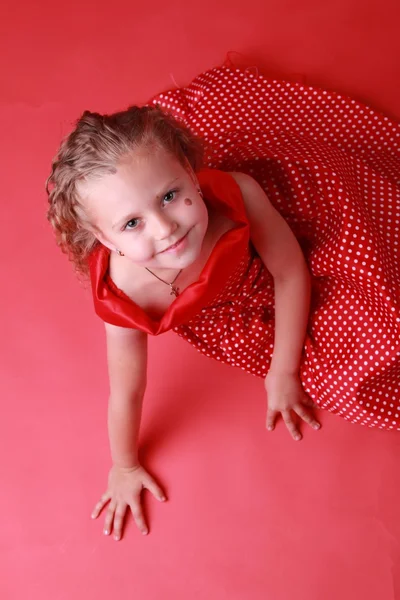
[[174, 290]]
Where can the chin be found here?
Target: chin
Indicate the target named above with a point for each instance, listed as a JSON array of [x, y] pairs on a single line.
[[180, 262], [183, 259]]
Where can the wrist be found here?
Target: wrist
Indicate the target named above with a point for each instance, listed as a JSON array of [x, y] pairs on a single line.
[[126, 468], [278, 371], [125, 461]]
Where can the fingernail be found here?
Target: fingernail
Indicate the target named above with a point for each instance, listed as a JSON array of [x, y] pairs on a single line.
[[317, 426], [163, 498], [145, 532], [116, 538], [270, 428], [106, 532]]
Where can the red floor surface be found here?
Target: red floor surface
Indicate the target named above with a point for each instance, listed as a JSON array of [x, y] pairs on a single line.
[[251, 515]]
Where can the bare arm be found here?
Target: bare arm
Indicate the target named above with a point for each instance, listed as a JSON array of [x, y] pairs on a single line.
[[127, 366], [282, 255], [280, 252]]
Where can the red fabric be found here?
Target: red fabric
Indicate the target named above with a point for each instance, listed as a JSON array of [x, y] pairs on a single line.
[[331, 166]]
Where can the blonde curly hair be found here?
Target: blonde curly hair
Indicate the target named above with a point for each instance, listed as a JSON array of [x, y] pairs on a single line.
[[94, 148]]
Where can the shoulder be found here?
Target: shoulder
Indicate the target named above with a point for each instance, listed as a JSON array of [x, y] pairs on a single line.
[[243, 180], [248, 186], [252, 193]]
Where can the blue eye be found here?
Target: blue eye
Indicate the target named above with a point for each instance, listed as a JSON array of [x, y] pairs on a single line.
[[132, 224], [169, 197]]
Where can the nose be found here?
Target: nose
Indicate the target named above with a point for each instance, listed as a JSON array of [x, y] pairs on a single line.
[[162, 226]]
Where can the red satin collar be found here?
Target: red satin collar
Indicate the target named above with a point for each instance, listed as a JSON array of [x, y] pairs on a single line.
[[221, 192]]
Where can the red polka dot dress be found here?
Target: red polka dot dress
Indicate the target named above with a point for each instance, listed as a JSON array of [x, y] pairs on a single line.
[[331, 166]]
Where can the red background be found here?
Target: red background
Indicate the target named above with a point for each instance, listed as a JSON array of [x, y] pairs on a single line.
[[250, 515]]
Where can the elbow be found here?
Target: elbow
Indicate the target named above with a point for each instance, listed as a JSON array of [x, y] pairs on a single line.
[[297, 271]]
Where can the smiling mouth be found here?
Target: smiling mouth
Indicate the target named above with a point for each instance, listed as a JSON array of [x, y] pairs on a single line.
[[173, 246]]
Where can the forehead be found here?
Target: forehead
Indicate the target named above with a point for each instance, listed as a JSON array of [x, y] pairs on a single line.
[[152, 163], [140, 177]]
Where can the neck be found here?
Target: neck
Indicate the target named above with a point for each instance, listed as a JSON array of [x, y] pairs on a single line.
[[164, 273]]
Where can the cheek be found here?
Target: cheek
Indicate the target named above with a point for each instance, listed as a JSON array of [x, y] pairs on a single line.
[[203, 214], [197, 211], [139, 251]]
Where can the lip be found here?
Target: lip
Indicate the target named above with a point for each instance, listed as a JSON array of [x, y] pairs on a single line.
[[177, 246]]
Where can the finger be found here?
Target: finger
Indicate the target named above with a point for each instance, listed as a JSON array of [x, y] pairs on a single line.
[[100, 505], [154, 488], [309, 402], [271, 418], [291, 425], [137, 513], [108, 521], [308, 418], [119, 517]]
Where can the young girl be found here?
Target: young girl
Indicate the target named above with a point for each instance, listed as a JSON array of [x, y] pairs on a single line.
[[303, 182]]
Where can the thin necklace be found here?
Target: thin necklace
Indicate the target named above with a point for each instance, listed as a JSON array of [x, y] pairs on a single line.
[[174, 289]]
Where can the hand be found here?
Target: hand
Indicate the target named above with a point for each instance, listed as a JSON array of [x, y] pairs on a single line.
[[286, 396], [124, 488]]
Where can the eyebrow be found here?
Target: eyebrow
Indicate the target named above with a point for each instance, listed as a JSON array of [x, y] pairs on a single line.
[[158, 196]]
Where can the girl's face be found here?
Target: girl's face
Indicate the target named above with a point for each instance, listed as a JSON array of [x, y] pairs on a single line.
[[150, 210]]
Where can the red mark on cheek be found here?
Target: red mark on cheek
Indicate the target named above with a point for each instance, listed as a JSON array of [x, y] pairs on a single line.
[[188, 202]]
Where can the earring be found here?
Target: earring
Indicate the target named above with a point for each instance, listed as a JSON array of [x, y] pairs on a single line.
[[119, 252]]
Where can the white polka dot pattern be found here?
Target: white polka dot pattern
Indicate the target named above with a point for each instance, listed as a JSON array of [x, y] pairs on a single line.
[[238, 327], [331, 166]]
